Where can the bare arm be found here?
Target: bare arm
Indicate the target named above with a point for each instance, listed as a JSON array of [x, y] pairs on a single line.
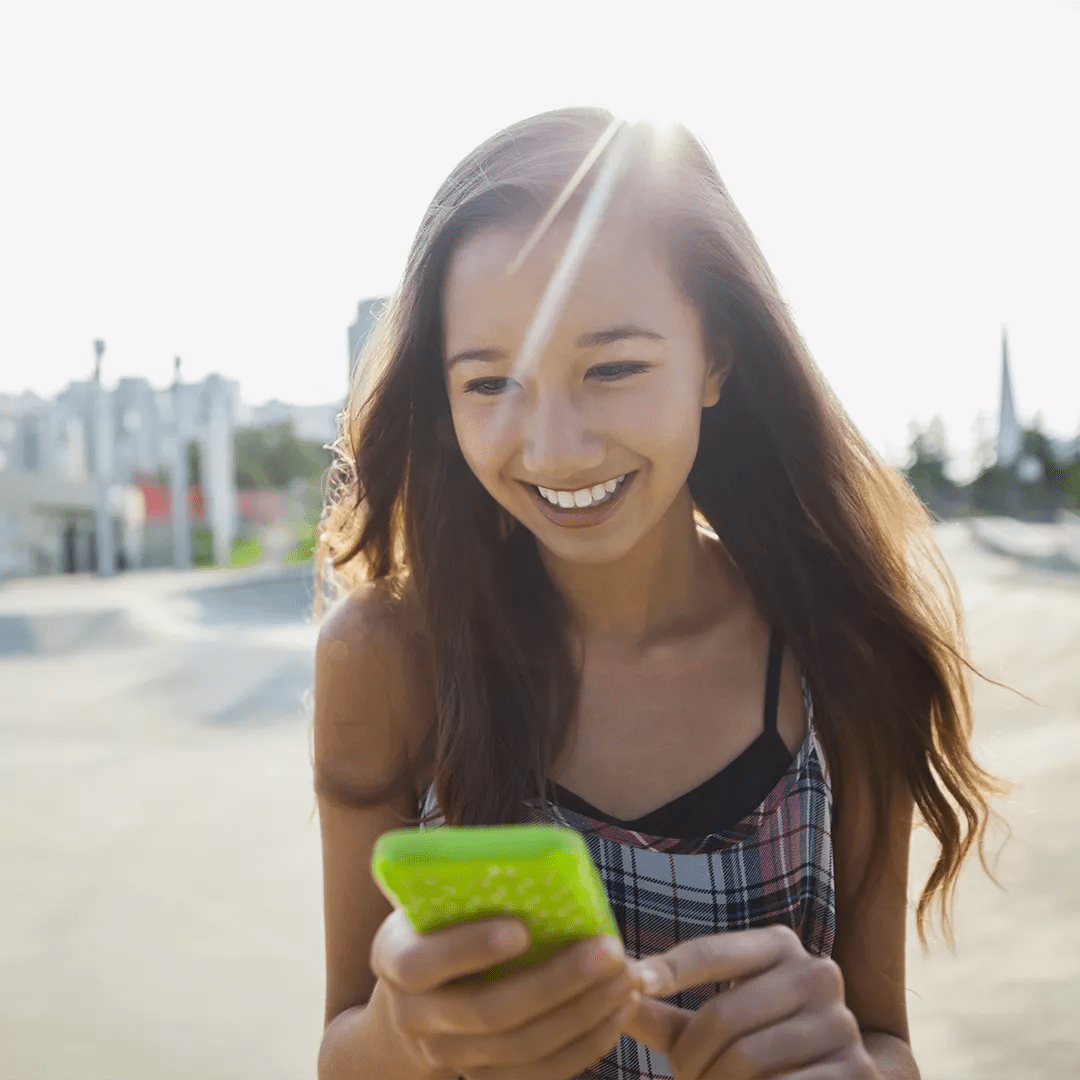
[[870, 942], [891, 1055], [361, 716], [359, 1044]]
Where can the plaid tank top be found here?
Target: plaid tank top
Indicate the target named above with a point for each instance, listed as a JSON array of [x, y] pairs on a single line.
[[773, 865]]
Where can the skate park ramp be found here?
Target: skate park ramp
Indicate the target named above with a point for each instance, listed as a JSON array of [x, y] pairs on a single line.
[[55, 633], [64, 616]]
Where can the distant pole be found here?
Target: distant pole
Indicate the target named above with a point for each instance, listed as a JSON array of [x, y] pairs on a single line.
[[181, 529], [218, 474], [106, 560]]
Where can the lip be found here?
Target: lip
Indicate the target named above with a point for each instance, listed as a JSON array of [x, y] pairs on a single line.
[[581, 517]]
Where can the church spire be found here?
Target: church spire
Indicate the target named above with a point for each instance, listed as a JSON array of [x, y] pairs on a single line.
[[1010, 437]]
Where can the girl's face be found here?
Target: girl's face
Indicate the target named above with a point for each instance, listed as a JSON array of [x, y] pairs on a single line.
[[590, 446]]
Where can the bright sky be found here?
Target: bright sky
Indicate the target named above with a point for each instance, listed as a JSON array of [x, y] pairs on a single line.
[[224, 181]]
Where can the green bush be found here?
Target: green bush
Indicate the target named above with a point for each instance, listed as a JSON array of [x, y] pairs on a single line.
[[1072, 474], [305, 544], [246, 550], [274, 456]]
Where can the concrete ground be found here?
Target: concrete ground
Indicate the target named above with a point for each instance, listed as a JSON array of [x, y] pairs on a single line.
[[1007, 1003], [161, 909]]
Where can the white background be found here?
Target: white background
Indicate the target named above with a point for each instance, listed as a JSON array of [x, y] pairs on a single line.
[[224, 181]]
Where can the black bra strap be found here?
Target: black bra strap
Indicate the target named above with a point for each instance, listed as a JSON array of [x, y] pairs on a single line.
[[772, 679]]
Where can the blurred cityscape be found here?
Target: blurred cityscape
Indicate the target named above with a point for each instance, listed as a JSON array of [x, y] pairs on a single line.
[[1021, 471], [138, 477]]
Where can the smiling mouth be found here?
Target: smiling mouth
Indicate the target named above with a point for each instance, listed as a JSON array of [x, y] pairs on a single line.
[[570, 508], [583, 498]]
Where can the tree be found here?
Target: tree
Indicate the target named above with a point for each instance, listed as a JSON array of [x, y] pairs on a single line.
[[1072, 479], [274, 456], [928, 457], [1032, 488], [194, 462], [985, 455]]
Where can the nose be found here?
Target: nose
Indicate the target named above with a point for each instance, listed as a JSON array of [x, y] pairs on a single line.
[[558, 443]]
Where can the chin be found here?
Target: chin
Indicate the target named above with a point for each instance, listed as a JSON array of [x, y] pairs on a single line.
[[587, 551]]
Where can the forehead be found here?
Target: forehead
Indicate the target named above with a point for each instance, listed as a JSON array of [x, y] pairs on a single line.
[[622, 278]]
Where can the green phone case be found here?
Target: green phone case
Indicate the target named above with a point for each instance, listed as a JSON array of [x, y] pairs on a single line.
[[541, 874]]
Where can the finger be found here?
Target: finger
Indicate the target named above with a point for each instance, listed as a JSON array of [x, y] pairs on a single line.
[[795, 1043], [571, 1060], [758, 1002], [416, 963], [658, 1025], [519, 998], [855, 1063], [538, 1040], [587, 1049], [723, 957]]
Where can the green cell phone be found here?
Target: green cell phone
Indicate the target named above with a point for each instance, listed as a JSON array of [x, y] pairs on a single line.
[[541, 874]]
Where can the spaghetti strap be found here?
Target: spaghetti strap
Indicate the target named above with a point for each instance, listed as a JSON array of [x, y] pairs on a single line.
[[772, 679]]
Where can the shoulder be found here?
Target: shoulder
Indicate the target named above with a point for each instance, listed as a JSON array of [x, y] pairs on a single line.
[[374, 613], [372, 703]]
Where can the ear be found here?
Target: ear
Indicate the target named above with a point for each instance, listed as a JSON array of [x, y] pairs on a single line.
[[718, 368]]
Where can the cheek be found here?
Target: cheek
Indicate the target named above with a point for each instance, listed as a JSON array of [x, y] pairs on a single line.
[[661, 426], [483, 436]]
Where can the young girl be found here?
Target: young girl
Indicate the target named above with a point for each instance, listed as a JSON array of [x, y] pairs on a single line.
[[616, 558]]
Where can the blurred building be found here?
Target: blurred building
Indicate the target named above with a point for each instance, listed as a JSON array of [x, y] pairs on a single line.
[[1010, 435], [50, 472]]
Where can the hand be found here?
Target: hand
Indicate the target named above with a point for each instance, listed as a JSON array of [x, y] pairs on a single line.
[[549, 1021], [785, 1015]]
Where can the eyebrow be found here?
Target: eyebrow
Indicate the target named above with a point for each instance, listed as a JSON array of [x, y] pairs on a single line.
[[592, 340]]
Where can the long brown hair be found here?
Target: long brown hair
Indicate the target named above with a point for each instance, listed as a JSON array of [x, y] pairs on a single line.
[[831, 540]]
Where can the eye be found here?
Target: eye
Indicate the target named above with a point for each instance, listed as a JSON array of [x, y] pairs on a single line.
[[488, 387], [614, 372]]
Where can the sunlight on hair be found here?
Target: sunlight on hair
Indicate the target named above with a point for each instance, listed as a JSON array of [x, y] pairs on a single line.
[[646, 112], [616, 138], [564, 196], [619, 135], [588, 220]]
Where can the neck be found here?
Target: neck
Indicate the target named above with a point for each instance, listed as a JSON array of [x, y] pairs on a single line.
[[671, 583]]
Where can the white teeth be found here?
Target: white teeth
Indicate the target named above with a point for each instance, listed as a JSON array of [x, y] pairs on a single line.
[[582, 498]]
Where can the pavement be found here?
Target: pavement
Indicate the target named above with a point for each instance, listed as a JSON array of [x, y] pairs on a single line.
[[162, 904], [1005, 1005], [1048, 546]]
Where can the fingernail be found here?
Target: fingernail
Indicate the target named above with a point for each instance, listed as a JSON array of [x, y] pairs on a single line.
[[612, 948], [604, 955], [650, 980], [510, 938]]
